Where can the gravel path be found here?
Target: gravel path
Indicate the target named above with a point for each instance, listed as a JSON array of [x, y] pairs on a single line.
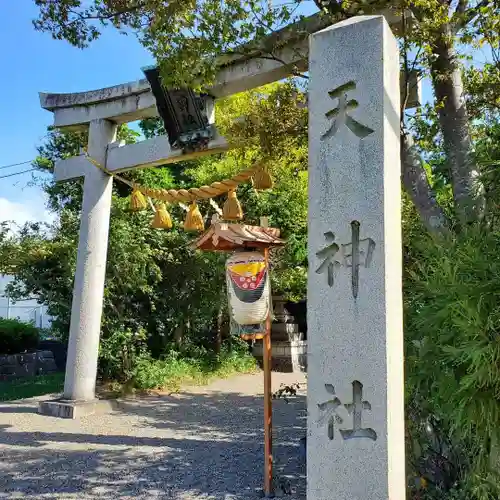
[[203, 443]]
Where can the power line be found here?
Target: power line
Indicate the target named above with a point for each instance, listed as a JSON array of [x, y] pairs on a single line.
[[15, 164], [17, 173], [23, 162]]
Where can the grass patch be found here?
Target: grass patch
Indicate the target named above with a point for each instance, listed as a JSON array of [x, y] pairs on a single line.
[[174, 370], [29, 387], [171, 373]]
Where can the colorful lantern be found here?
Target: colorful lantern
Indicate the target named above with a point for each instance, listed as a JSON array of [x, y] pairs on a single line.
[[249, 290]]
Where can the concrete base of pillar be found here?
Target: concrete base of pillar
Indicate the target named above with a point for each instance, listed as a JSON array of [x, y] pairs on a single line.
[[65, 408]]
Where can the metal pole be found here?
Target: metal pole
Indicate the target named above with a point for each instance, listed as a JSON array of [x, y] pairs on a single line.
[[8, 307], [268, 411]]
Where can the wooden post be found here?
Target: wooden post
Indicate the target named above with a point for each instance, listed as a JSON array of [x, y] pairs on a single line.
[[268, 411], [261, 238]]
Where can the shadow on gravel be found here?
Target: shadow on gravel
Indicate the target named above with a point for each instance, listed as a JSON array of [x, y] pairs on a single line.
[[218, 453], [13, 408]]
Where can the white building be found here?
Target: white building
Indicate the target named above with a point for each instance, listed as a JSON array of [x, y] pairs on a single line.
[[25, 310]]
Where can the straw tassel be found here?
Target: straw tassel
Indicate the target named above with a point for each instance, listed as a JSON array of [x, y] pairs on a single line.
[[137, 201], [232, 208], [262, 180], [162, 219], [194, 220]]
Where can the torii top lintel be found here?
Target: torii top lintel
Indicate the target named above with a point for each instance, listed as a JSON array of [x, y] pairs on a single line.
[[134, 100]]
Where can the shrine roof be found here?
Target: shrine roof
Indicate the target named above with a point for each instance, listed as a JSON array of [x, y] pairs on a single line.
[[226, 237]]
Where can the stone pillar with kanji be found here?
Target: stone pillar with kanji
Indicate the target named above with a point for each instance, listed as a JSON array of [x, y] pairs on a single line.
[[355, 353]]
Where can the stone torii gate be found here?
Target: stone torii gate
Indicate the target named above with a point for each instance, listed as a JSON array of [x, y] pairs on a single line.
[[100, 111], [355, 353]]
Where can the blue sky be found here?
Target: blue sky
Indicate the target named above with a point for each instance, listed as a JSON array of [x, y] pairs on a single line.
[[35, 62]]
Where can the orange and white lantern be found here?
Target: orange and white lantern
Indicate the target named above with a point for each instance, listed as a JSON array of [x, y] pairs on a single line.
[[248, 287]]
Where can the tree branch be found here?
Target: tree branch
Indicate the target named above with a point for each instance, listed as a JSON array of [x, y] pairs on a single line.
[[463, 16], [103, 17], [417, 186]]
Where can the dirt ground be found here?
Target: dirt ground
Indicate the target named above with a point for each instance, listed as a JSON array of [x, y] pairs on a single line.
[[202, 443]]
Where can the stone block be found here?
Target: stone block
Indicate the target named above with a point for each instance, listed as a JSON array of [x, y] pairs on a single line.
[[26, 370], [8, 369], [285, 357], [26, 358], [45, 354], [286, 332], [285, 328], [45, 362], [8, 359], [27, 364], [63, 408], [58, 350], [355, 366]]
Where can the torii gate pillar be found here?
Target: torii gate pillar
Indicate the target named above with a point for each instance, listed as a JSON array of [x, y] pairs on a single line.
[[88, 291]]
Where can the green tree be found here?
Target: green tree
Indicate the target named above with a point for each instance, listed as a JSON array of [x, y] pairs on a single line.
[[154, 283], [273, 129], [449, 171], [188, 38]]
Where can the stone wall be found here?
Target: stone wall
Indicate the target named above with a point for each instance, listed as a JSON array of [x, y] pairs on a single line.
[[288, 357], [27, 364], [59, 350], [288, 346]]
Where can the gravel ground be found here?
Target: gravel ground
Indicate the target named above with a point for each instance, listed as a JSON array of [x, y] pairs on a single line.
[[203, 443]]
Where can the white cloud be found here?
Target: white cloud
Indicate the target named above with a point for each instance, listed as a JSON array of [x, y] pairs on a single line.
[[21, 212]]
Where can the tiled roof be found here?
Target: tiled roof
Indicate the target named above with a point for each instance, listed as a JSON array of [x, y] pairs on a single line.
[[224, 236]]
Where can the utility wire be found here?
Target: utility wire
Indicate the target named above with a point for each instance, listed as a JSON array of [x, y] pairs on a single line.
[[15, 164], [22, 162], [18, 173]]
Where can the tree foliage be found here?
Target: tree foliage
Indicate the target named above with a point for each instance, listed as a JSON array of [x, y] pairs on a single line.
[[188, 39], [274, 130], [155, 284], [452, 348], [17, 336]]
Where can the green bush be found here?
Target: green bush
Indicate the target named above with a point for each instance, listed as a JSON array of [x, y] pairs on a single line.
[[17, 336], [152, 373], [452, 330], [125, 360], [119, 353], [198, 366]]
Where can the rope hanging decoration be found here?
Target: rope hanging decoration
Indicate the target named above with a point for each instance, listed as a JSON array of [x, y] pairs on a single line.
[[194, 220], [232, 208], [161, 219], [262, 179]]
